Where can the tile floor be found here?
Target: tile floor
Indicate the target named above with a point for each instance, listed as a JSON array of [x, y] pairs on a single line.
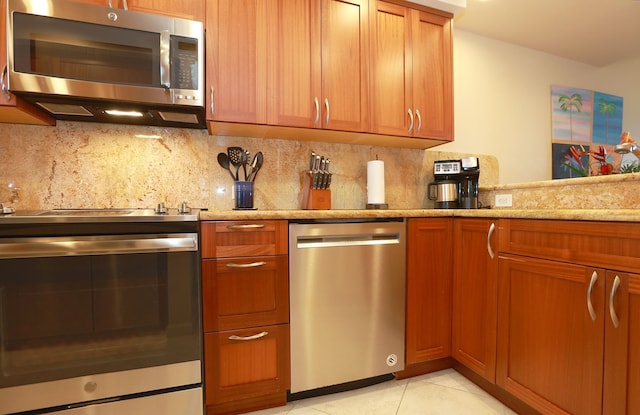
[[440, 393]]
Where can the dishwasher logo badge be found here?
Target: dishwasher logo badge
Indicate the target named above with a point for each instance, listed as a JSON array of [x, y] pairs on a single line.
[[392, 359]]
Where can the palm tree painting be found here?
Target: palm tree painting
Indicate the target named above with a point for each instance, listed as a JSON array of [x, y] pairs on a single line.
[[607, 118], [571, 115]]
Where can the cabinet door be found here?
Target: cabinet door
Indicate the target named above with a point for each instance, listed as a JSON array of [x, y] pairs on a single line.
[[345, 64], [622, 344], [236, 44], [185, 9], [245, 292], [294, 63], [391, 74], [550, 348], [429, 262], [475, 291], [432, 76], [246, 364]]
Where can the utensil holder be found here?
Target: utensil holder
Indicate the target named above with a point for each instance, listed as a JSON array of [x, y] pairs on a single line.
[[314, 199]]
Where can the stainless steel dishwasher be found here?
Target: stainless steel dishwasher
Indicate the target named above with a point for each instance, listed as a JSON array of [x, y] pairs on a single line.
[[347, 306]]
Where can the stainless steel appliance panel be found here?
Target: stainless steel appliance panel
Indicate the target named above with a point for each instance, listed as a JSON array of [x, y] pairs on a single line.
[[347, 307]]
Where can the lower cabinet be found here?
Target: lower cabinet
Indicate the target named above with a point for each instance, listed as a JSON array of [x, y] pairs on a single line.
[[622, 344], [245, 293], [475, 291], [569, 316], [246, 368], [550, 350], [429, 262]]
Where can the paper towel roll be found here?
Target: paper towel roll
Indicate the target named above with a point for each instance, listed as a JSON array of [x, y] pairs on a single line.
[[375, 182]]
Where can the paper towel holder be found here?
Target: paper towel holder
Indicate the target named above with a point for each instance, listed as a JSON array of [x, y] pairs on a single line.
[[377, 206]]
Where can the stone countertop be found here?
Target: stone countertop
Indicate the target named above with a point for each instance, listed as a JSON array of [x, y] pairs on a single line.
[[617, 215]]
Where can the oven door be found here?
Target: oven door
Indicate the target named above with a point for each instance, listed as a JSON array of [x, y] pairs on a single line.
[[76, 312]]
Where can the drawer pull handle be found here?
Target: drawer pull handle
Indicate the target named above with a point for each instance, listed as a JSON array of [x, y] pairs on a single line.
[[612, 310], [592, 283], [492, 229], [250, 265], [254, 337], [248, 226]]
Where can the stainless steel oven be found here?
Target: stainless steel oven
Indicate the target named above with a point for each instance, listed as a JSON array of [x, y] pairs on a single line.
[[99, 313]]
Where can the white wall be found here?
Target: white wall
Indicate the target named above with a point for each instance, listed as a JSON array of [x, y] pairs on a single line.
[[502, 102]]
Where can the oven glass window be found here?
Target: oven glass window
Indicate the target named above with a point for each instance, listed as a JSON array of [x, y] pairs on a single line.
[[83, 51], [72, 316]]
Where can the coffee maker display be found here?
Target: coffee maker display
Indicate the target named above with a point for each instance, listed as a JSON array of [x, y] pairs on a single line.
[[455, 183], [444, 190]]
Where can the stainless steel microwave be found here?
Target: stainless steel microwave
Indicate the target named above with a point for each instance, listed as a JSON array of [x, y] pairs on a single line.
[[86, 62]]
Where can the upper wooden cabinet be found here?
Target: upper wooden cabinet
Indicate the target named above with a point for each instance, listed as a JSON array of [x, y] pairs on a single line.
[[319, 64], [316, 70], [236, 66], [295, 63], [411, 72]]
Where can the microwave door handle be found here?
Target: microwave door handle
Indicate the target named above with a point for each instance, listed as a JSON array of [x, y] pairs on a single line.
[[165, 58]]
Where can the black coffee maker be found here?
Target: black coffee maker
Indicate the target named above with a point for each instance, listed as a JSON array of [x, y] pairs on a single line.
[[468, 183], [455, 184]]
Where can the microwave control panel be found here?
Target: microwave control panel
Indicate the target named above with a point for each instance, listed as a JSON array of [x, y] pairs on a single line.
[[184, 63]]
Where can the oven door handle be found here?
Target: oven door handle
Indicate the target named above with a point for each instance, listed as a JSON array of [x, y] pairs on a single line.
[[96, 245]]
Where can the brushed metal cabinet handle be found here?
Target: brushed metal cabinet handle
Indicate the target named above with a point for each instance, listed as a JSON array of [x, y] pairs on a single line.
[[492, 229], [247, 226], [317, 103], [419, 121], [411, 123], [254, 337], [612, 310], [212, 106], [126, 6], [5, 90], [249, 265], [326, 105], [592, 283]]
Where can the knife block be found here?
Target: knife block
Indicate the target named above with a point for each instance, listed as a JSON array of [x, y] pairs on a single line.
[[314, 198]]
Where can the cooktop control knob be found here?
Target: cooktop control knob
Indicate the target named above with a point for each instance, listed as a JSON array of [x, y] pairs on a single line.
[[161, 209], [184, 208]]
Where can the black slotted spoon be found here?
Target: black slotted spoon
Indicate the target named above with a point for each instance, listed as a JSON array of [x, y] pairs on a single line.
[[236, 157]]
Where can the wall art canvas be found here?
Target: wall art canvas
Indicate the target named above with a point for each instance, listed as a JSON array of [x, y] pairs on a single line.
[[585, 127]]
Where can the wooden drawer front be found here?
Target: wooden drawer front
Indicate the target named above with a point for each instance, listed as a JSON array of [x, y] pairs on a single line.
[[245, 292], [612, 245], [244, 238], [237, 369]]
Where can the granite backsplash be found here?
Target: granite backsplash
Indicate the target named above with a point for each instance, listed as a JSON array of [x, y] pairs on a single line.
[[89, 165]]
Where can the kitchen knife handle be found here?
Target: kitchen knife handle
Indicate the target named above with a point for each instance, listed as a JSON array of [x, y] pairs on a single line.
[[249, 265], [592, 283], [5, 90], [326, 105], [612, 309], [411, 117], [419, 121], [317, 119], [254, 337]]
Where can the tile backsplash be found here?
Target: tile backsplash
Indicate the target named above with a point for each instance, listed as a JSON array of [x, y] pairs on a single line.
[[89, 165]]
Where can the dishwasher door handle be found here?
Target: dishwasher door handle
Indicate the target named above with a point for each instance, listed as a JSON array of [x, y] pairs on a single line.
[[346, 240]]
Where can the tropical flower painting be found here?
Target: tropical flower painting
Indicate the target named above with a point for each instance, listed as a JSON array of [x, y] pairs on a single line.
[[586, 126]]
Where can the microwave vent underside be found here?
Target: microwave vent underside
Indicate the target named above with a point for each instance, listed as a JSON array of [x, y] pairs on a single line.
[[65, 109]]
